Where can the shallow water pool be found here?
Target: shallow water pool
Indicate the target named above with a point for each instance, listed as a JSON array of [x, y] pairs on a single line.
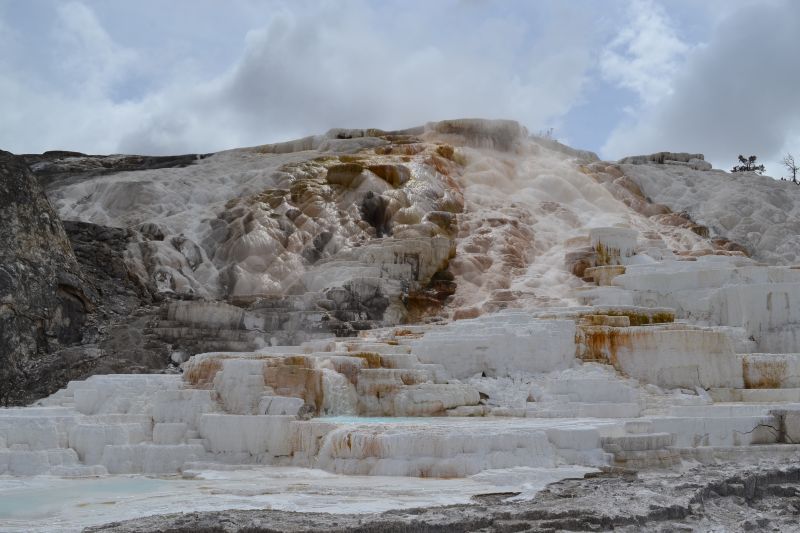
[[45, 503]]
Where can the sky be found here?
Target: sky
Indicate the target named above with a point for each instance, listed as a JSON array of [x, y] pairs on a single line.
[[618, 77]]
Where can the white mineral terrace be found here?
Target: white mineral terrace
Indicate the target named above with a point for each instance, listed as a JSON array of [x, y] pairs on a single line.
[[685, 371], [659, 353]]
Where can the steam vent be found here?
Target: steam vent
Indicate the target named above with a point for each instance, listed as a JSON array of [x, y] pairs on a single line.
[[457, 315]]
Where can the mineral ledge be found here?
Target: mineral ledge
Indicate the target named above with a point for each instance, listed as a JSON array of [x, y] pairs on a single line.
[[588, 325]]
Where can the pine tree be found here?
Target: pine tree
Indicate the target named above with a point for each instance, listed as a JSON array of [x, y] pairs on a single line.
[[748, 165]]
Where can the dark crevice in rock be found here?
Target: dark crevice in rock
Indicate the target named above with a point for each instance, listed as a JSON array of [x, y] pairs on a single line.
[[374, 212]]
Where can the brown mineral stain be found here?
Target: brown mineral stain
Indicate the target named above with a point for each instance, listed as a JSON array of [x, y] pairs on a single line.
[[348, 368], [641, 318], [201, 375], [421, 304], [372, 359], [296, 380], [441, 165], [603, 343], [763, 374]]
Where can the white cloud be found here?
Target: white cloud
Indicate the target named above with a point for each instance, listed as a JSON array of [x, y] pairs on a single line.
[[736, 94], [91, 62], [646, 54], [87, 81], [306, 73], [307, 69]]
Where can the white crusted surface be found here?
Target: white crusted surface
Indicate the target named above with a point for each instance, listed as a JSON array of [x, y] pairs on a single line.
[[499, 345], [756, 211]]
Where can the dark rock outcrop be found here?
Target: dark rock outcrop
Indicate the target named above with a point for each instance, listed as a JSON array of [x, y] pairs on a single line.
[[69, 307], [116, 338], [58, 166], [44, 300]]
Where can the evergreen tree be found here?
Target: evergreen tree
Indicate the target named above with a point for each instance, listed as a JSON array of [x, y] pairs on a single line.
[[748, 164]]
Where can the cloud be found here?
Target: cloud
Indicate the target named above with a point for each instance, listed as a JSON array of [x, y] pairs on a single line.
[[92, 63], [307, 68], [306, 73], [645, 55], [66, 100], [735, 94]]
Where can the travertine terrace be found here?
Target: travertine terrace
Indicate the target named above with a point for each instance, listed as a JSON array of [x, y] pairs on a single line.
[[460, 301]]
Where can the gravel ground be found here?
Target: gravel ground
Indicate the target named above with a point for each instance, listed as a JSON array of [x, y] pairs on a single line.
[[723, 498]]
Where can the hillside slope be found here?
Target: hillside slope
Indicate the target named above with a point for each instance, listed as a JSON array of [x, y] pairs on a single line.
[[355, 229]]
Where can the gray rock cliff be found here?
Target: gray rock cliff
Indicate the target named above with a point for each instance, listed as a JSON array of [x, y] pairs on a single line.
[[69, 307], [44, 301]]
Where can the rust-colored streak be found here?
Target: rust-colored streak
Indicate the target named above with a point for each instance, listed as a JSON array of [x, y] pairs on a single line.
[[602, 343], [298, 380], [372, 359], [763, 373], [348, 368], [421, 304], [442, 166], [446, 151], [201, 375]]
